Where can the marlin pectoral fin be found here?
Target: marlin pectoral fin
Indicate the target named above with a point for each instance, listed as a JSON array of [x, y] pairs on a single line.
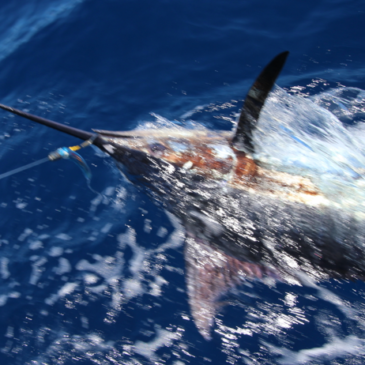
[[210, 274], [254, 102]]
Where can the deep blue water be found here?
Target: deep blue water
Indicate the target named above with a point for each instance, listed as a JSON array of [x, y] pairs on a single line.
[[92, 280]]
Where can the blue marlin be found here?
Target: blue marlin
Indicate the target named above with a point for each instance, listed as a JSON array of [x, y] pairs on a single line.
[[244, 219]]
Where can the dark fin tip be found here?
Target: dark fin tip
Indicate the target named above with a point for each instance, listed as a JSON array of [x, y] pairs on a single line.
[[255, 101]]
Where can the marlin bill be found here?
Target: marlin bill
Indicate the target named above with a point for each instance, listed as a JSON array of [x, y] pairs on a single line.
[[245, 219]]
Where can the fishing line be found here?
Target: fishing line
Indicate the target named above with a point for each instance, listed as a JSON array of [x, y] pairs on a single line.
[[62, 153], [19, 169]]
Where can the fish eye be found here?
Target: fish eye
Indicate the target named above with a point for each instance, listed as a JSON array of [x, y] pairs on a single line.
[[157, 147]]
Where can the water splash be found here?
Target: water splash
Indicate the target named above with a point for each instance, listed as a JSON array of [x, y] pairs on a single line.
[[298, 135]]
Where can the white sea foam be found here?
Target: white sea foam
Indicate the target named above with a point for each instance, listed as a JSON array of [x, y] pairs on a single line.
[[27, 232], [3, 299], [21, 205], [107, 267], [326, 295], [156, 285], [176, 238], [189, 113], [63, 267], [96, 202], [90, 279], [162, 232], [36, 245], [163, 338], [86, 345], [64, 237], [55, 251], [9, 332], [147, 226], [4, 268], [37, 270], [132, 288], [109, 191], [106, 228], [68, 288], [350, 345]]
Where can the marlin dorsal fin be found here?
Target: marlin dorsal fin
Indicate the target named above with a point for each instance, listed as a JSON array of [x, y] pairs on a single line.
[[254, 102]]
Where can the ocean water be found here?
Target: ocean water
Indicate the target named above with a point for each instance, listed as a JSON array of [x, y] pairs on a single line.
[[99, 279]]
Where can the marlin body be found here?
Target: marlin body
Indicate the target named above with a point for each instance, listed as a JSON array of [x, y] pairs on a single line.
[[244, 220]]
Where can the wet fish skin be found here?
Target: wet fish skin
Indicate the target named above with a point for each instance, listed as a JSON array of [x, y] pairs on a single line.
[[249, 212], [240, 217], [244, 222], [244, 219]]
